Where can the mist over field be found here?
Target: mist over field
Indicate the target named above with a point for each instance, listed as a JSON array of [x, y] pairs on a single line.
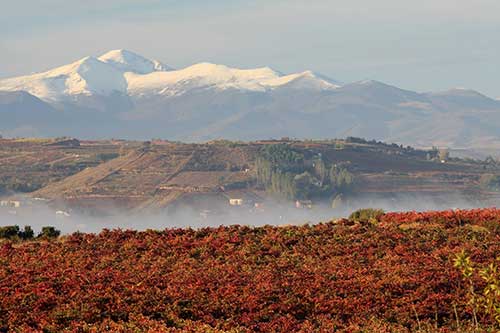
[[273, 213]]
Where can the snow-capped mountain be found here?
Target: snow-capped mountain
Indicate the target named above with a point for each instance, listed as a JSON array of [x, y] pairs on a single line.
[[124, 72], [88, 76], [219, 77], [122, 94], [127, 61]]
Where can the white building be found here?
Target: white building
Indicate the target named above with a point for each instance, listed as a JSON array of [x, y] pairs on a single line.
[[10, 203], [236, 201]]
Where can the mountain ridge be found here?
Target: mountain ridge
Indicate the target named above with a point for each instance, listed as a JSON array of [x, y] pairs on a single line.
[[119, 67], [129, 96]]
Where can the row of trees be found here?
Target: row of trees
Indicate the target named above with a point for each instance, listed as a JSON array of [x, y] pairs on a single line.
[[9, 185], [14, 232], [284, 171], [490, 182]]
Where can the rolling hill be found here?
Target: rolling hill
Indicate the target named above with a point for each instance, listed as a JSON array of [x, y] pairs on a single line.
[[100, 176]]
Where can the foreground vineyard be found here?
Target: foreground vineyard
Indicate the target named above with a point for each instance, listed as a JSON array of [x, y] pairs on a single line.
[[393, 274]]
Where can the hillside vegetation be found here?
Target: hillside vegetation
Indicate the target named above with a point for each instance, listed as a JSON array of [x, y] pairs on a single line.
[[156, 174], [393, 273], [30, 164]]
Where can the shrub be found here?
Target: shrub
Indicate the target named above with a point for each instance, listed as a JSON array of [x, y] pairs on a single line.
[[490, 182], [9, 232], [27, 233], [104, 157], [312, 278], [366, 214], [49, 232], [486, 302]]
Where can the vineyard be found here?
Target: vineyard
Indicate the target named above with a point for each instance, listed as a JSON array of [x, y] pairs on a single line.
[[392, 273]]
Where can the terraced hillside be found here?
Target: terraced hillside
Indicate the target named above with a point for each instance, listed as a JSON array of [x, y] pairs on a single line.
[[153, 175], [30, 164]]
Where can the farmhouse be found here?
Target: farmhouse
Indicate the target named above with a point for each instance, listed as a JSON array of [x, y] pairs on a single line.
[[242, 198], [235, 201], [10, 203], [303, 204]]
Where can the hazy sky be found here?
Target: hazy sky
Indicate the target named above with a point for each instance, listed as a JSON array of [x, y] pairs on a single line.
[[421, 45]]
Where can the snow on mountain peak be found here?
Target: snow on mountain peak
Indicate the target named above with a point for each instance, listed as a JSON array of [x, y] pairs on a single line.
[[126, 72], [92, 76], [305, 80], [86, 76], [128, 61], [202, 75], [224, 73], [205, 75]]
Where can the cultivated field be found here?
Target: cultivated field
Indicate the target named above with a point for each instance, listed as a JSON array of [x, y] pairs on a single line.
[[396, 272]]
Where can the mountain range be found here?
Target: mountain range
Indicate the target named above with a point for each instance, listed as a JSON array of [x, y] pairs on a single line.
[[124, 95]]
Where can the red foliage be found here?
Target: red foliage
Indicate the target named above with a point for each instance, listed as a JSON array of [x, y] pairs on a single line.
[[326, 277]]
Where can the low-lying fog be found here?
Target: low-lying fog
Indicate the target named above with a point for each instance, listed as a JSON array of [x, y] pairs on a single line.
[[272, 213]]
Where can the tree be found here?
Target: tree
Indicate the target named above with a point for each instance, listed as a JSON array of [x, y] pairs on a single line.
[[49, 232], [282, 169], [338, 201], [304, 185], [276, 167], [9, 232], [264, 171], [490, 182], [320, 170], [282, 184], [283, 157], [27, 233], [366, 215], [341, 179], [444, 154], [490, 160]]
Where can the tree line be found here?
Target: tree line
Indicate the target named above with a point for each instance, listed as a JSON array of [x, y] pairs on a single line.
[[13, 232], [285, 172]]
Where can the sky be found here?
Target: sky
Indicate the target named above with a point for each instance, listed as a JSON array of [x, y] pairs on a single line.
[[424, 45]]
